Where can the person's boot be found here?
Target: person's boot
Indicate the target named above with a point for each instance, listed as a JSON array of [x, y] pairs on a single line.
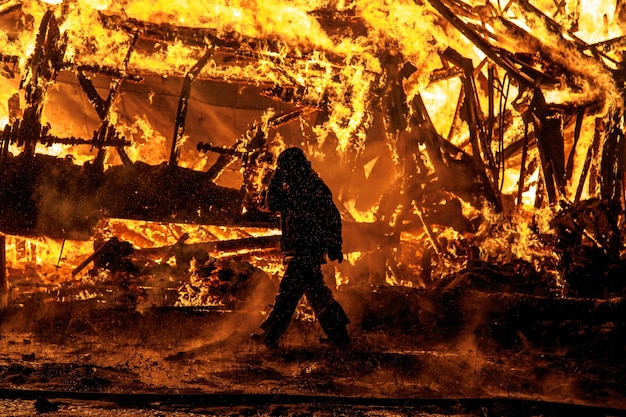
[[339, 337], [333, 320], [262, 337], [270, 342]]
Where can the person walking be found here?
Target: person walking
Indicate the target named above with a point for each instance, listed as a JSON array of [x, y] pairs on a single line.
[[311, 232]]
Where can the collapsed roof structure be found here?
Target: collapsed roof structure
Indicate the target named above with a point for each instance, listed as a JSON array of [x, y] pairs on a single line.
[[449, 130], [475, 150]]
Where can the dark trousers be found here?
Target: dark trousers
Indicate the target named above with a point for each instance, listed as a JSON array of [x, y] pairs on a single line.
[[304, 277]]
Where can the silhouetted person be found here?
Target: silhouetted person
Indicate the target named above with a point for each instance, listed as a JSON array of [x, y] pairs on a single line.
[[311, 230]]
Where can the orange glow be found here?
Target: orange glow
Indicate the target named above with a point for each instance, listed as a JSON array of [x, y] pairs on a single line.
[[342, 74]]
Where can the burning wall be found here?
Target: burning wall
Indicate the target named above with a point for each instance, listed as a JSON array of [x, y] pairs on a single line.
[[449, 131]]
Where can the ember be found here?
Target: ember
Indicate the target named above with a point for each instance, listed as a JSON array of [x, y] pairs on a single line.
[[475, 150]]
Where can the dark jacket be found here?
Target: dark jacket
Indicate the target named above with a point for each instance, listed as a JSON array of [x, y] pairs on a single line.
[[310, 221]]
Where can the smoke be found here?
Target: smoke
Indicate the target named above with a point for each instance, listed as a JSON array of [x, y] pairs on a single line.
[[64, 206]]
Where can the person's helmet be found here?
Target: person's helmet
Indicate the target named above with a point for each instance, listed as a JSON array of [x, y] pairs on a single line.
[[292, 159]]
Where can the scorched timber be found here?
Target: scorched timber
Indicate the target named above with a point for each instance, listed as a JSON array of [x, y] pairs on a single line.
[[44, 195], [241, 46]]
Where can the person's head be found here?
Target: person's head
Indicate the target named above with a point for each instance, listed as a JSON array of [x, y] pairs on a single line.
[[293, 160]]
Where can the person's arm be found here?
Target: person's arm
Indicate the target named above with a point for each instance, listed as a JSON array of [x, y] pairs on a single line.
[[333, 236], [276, 192], [335, 241]]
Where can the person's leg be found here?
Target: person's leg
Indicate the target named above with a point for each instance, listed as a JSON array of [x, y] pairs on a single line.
[[290, 291], [328, 311]]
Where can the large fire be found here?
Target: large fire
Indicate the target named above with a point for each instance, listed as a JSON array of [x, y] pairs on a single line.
[[436, 123]]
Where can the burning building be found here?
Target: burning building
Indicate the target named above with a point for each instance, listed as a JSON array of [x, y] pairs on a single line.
[[471, 146]]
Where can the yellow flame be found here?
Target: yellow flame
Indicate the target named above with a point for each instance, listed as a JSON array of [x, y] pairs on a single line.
[[346, 71], [52, 260], [361, 216], [440, 100]]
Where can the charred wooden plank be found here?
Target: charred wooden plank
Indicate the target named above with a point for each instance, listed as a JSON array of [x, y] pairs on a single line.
[[458, 171], [612, 166], [442, 74], [229, 245], [110, 72], [4, 280], [94, 98], [106, 130], [548, 126], [41, 69], [491, 79], [126, 161], [10, 8], [230, 42], [529, 63], [5, 140], [116, 141], [393, 98], [614, 44], [191, 36], [5, 61], [557, 29], [421, 120], [522, 170], [77, 197], [169, 33], [222, 150], [580, 114], [481, 43], [341, 23], [78, 269], [591, 153], [472, 109], [588, 234], [183, 104]]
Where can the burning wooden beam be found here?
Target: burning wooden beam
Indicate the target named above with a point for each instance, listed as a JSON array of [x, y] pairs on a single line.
[[183, 104], [549, 134], [238, 45], [4, 279], [115, 250], [502, 61]]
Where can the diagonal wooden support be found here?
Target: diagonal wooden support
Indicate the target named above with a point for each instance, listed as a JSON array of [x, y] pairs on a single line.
[[475, 122], [183, 105], [106, 129], [4, 280], [106, 132], [481, 43]]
